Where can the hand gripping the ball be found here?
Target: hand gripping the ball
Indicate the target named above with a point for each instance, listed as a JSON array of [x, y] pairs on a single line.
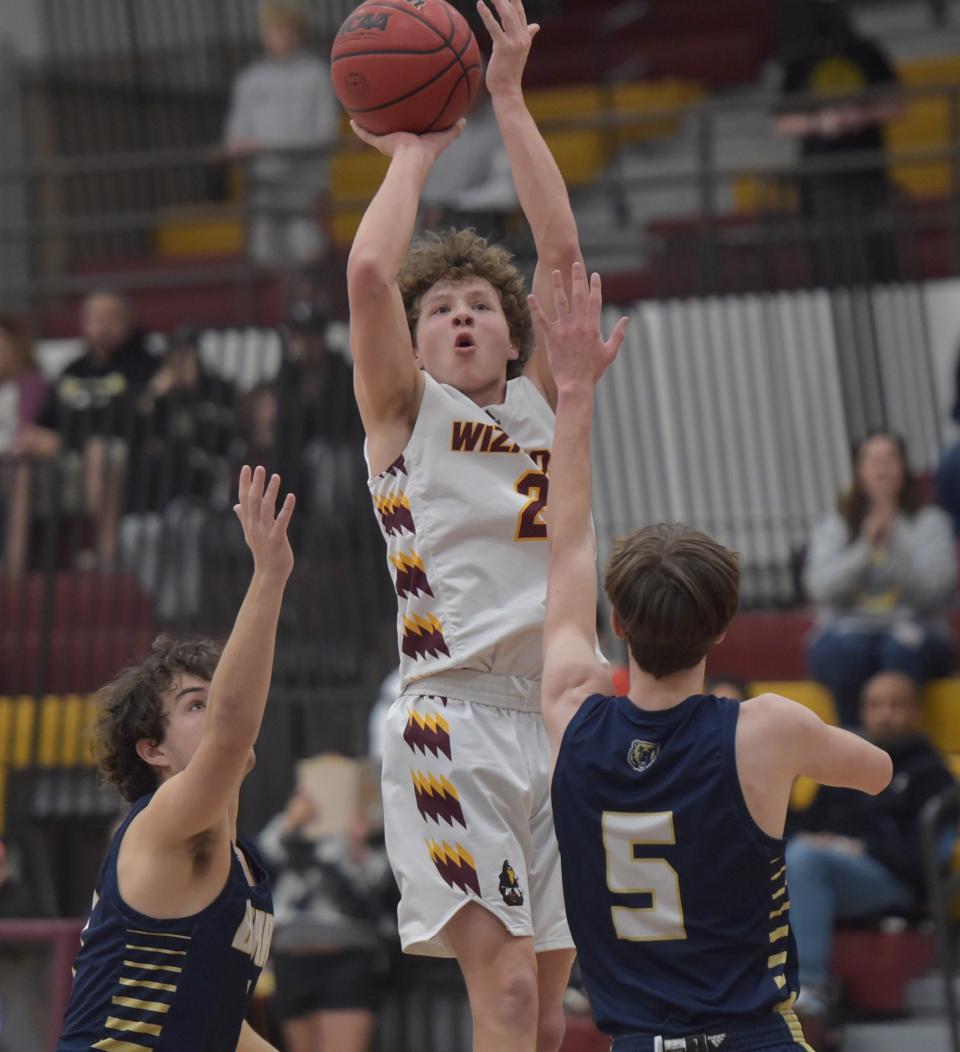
[[432, 143]]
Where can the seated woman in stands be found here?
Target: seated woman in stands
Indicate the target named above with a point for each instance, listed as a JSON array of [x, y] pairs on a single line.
[[882, 571]]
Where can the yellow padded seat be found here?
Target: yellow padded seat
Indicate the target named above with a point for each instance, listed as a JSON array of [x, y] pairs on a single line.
[[942, 714], [205, 230]]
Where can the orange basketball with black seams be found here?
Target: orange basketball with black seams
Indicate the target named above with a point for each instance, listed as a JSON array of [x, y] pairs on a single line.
[[406, 65]]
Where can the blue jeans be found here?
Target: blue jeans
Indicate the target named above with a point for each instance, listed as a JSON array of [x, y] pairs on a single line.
[[826, 885], [843, 660]]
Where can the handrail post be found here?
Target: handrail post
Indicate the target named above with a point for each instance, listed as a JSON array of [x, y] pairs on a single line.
[[706, 164], [954, 206]]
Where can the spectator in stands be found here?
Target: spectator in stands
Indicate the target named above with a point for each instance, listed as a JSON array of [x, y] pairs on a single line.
[[187, 427], [843, 76], [328, 955], [882, 571], [190, 423], [284, 100], [470, 184], [853, 856], [727, 687], [90, 418], [22, 394]]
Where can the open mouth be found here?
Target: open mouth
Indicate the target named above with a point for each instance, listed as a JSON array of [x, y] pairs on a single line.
[[464, 342]]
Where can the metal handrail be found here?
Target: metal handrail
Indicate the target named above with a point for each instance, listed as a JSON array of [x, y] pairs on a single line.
[[941, 889]]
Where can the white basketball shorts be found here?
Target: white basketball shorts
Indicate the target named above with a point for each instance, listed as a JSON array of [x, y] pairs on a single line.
[[466, 800]]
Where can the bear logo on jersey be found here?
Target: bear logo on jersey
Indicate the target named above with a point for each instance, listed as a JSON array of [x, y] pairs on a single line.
[[642, 755], [510, 886]]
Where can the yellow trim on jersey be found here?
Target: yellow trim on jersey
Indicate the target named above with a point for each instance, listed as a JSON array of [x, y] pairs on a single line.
[[135, 1026], [149, 984], [158, 949], [780, 892], [780, 911], [777, 959], [161, 934], [153, 967], [780, 872], [113, 1044], [144, 1006], [780, 933]]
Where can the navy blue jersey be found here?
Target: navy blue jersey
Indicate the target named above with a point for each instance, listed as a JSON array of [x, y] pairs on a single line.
[[178, 985], [676, 899]]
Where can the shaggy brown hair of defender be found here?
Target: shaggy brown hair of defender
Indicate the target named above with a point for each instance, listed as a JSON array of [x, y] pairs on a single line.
[[130, 708]]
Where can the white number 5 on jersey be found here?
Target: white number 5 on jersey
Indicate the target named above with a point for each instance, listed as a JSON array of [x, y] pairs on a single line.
[[628, 875]]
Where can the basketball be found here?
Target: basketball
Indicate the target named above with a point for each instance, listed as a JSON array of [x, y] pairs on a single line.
[[406, 65]]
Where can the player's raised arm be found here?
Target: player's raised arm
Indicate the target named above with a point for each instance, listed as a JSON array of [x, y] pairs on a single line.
[[578, 356], [540, 187], [387, 381], [198, 797]]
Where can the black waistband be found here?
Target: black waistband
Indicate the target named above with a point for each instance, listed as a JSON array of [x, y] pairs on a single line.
[[750, 1037]]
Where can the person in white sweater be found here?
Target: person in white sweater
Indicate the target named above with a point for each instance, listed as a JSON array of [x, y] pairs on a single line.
[[284, 100], [881, 570]]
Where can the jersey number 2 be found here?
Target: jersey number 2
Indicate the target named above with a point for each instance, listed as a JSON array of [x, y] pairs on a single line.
[[628, 875], [530, 525]]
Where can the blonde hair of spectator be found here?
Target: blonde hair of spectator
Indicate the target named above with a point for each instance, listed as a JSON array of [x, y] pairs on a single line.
[[283, 12]]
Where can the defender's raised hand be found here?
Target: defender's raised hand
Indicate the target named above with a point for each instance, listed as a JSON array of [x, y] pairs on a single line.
[[575, 346], [511, 37], [264, 528]]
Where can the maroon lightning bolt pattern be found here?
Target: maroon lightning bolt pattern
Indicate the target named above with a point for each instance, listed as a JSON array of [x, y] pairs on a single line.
[[411, 575], [423, 636], [437, 798], [428, 732], [395, 514], [455, 865], [398, 467]]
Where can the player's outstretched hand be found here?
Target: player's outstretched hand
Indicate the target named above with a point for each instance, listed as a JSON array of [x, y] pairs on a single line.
[[577, 351], [512, 37], [265, 528], [433, 143]]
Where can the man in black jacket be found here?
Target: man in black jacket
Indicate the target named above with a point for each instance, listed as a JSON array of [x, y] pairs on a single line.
[[88, 429], [853, 855]]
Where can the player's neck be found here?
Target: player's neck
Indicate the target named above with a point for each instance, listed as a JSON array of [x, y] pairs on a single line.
[[495, 394], [648, 692]]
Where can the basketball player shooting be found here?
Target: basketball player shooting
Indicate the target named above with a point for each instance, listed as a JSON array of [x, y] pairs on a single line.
[[669, 804], [457, 403]]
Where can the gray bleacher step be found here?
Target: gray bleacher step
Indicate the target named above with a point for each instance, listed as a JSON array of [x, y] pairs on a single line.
[[926, 995], [910, 1035]]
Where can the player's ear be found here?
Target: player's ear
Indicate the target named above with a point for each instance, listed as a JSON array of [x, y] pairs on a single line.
[[152, 753], [720, 638], [617, 625], [513, 354]]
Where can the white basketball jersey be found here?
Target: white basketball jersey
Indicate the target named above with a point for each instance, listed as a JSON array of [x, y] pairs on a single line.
[[462, 513]]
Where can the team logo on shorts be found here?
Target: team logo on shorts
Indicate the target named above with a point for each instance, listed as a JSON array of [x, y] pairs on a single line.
[[510, 886], [643, 755]]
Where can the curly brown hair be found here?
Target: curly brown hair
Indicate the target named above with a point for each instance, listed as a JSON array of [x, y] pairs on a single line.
[[454, 255], [131, 707]]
